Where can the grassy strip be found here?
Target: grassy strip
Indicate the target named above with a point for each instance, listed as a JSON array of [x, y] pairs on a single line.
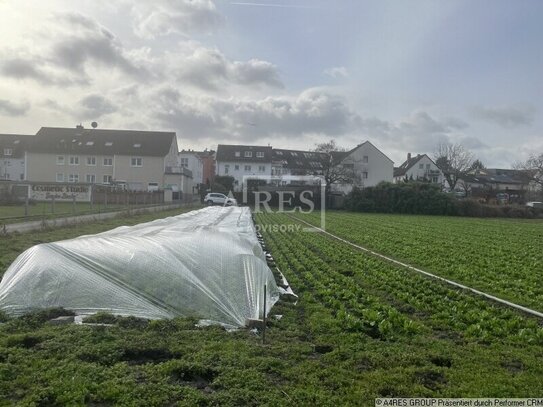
[[44, 210]]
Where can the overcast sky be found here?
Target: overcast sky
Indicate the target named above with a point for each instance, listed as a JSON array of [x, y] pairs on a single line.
[[405, 75]]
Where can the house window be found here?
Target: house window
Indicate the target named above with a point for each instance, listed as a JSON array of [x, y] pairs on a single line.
[[107, 179], [108, 162], [184, 162], [260, 154], [435, 180], [427, 166], [91, 178], [60, 160], [226, 168], [237, 153], [8, 151], [421, 166], [91, 161], [74, 160], [247, 168], [365, 175], [261, 168], [248, 154], [365, 159], [236, 167], [73, 178], [60, 177], [136, 162], [22, 177]]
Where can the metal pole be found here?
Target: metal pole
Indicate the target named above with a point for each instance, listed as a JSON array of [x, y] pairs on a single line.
[[264, 319], [26, 206]]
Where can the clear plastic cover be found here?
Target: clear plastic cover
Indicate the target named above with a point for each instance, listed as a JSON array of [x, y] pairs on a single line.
[[206, 264]]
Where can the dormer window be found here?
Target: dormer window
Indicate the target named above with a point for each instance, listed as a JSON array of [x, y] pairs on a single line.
[[260, 154], [248, 154], [237, 154], [109, 143], [8, 151]]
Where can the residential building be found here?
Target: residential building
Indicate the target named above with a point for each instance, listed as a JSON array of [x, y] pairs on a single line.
[[208, 161], [138, 160], [488, 182], [369, 165], [297, 162], [192, 161], [238, 161], [419, 168], [12, 156]]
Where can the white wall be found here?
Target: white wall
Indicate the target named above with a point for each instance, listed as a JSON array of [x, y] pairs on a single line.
[[194, 164], [418, 173], [12, 168], [378, 167], [240, 172]]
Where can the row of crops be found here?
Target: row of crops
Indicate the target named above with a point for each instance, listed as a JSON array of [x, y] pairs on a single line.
[[500, 257], [359, 296]]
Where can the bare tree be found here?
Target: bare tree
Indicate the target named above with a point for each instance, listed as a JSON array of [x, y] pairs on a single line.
[[454, 160], [532, 169], [333, 171]]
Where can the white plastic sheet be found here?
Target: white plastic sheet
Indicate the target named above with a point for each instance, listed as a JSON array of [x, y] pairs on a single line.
[[206, 264]]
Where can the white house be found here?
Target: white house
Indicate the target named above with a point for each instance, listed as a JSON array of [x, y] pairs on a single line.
[[369, 164], [419, 168], [238, 161], [192, 161], [13, 156]]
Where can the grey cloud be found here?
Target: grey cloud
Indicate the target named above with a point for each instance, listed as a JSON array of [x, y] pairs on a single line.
[[25, 67], [507, 117], [94, 106], [79, 43], [256, 71], [90, 42], [8, 108], [314, 111], [163, 17], [21, 68], [209, 69]]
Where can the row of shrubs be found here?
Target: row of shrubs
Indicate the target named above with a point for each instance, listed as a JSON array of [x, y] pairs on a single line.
[[427, 199]]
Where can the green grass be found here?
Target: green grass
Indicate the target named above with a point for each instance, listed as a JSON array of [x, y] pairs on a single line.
[[40, 210], [362, 328], [503, 257]]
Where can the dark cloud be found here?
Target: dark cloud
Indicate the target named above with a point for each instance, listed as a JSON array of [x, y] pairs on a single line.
[[88, 45], [94, 106], [507, 117], [8, 108], [22, 68]]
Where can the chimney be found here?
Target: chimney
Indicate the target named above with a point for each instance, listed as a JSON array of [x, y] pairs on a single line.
[[408, 156]]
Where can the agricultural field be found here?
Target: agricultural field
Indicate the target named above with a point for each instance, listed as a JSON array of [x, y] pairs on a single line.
[[362, 328], [503, 257]]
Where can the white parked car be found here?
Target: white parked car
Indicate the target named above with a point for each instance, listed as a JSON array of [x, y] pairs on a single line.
[[535, 204], [215, 198]]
